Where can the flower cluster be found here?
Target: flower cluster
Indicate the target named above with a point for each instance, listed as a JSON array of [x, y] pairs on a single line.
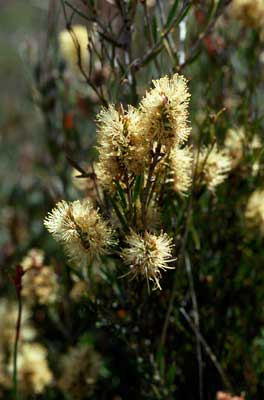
[[122, 148], [165, 111], [133, 141], [39, 282], [249, 12], [33, 372], [255, 211], [148, 255], [74, 45], [141, 151], [213, 166], [80, 229], [181, 163], [80, 369], [234, 143]]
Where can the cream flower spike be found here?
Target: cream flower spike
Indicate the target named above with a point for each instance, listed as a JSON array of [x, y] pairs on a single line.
[[70, 42], [165, 111], [181, 164], [254, 213], [121, 145], [147, 256], [213, 166], [81, 230]]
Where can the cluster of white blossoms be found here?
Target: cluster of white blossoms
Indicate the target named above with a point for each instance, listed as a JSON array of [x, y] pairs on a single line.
[[73, 45], [147, 255], [80, 369], [129, 140], [33, 372], [234, 144], [249, 12], [213, 166], [140, 149], [39, 281], [254, 213], [80, 229]]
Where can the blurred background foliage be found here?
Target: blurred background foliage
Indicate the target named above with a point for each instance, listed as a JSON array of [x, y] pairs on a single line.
[[47, 127]]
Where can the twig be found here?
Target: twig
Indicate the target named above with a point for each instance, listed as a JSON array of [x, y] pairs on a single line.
[[104, 34], [79, 58], [197, 323], [138, 63], [206, 32], [147, 24], [18, 324], [18, 286], [144, 200], [180, 259], [169, 39], [207, 349]]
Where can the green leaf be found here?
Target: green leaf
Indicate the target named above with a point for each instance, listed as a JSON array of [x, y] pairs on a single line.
[[195, 236], [161, 361], [185, 12], [171, 374], [152, 55], [138, 184], [121, 194], [154, 27], [119, 214], [172, 13], [86, 339]]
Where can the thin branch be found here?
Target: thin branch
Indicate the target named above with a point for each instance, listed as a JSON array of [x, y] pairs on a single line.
[[169, 38], [219, 10], [79, 62], [197, 323], [174, 286], [156, 158], [207, 349], [18, 325], [138, 63], [147, 24], [17, 279], [104, 34]]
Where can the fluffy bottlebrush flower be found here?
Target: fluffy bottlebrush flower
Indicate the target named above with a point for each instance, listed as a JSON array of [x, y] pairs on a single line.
[[80, 371], [249, 12], [213, 166], [80, 229], [32, 369], [33, 372], [69, 44], [254, 213], [121, 146], [234, 144], [255, 143], [8, 319], [5, 377], [165, 111], [34, 259], [39, 282], [181, 165], [147, 256]]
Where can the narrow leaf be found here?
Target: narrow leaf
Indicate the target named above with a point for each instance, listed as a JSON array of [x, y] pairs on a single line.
[[172, 13]]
